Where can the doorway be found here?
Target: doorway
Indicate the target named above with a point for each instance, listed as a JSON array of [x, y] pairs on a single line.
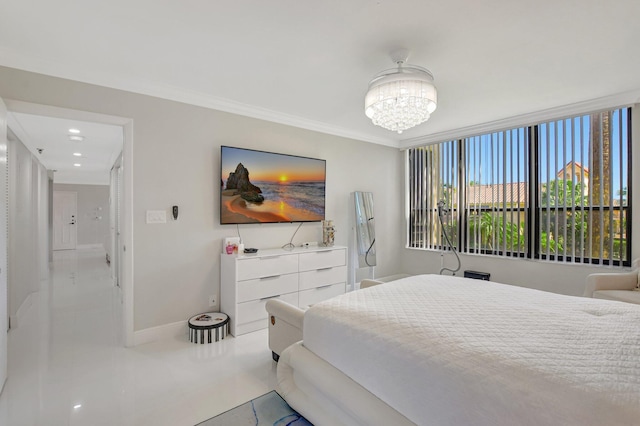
[[65, 213], [116, 220], [123, 245]]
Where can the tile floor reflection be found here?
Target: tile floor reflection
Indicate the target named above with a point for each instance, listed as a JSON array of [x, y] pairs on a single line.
[[68, 366]]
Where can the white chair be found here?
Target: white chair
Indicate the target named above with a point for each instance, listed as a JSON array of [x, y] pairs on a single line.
[[620, 286]]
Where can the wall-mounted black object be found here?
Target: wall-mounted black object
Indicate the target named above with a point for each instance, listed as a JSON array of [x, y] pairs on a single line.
[[477, 275], [175, 212]]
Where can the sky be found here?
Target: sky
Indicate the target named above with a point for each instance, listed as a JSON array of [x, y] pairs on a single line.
[[560, 142], [273, 167]]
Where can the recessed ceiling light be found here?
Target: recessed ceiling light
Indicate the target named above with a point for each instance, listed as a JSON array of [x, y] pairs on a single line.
[[77, 406], [77, 138], [74, 131], [77, 154], [77, 164]]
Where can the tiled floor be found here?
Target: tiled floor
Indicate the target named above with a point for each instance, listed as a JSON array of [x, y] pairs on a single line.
[[67, 364]]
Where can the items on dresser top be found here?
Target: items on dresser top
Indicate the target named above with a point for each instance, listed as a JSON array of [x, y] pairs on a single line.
[[300, 277]]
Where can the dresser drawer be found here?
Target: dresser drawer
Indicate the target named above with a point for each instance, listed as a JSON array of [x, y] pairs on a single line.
[[300, 277], [322, 259], [266, 286], [254, 310], [318, 294], [322, 277], [257, 267]]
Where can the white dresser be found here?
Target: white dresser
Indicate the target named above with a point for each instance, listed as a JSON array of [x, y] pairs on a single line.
[[301, 277]]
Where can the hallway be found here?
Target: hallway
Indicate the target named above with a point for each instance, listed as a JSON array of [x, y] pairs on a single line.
[[68, 366]]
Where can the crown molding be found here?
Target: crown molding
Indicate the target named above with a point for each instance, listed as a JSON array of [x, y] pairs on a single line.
[[144, 87], [84, 74], [608, 102]]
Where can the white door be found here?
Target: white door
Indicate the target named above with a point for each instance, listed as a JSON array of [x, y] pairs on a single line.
[[4, 310], [115, 200], [119, 243], [65, 214]]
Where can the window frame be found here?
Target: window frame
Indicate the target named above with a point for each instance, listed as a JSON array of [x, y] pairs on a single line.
[[532, 210]]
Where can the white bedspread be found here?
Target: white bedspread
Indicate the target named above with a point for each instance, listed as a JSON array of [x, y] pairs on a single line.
[[455, 351]]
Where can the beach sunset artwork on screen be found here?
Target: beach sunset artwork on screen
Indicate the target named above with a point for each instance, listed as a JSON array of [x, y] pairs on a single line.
[[266, 187]]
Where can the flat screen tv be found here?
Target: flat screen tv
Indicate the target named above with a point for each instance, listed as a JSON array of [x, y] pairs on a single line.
[[266, 187]]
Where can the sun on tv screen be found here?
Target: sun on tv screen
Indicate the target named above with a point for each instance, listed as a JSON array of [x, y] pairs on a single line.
[[266, 187]]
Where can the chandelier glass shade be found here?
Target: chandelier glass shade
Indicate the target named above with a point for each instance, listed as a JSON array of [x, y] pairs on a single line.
[[401, 98]]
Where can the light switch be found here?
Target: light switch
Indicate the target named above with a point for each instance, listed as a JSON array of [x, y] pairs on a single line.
[[156, 216]]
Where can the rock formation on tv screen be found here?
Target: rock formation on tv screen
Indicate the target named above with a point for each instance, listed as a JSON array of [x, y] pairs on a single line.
[[239, 180]]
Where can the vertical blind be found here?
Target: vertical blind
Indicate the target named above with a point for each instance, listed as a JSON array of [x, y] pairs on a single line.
[[557, 190], [497, 176], [433, 177], [583, 186]]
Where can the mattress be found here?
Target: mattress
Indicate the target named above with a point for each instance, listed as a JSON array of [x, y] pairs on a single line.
[[448, 350]]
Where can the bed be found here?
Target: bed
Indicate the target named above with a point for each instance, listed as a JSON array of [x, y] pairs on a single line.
[[442, 350]]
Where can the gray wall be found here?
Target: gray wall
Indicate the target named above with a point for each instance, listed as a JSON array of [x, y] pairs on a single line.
[[93, 213], [176, 149]]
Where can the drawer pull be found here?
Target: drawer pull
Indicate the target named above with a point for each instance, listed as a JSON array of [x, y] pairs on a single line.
[[270, 297], [324, 286], [268, 257], [270, 277], [325, 269]]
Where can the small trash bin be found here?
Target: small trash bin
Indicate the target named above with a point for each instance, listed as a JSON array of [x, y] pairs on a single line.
[[208, 327]]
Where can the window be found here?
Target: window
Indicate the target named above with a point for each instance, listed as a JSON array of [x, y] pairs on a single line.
[[556, 190], [496, 187], [433, 177]]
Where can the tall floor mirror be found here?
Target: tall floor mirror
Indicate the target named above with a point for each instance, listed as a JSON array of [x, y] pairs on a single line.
[[365, 229]]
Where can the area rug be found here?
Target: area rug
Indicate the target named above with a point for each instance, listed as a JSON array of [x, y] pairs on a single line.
[[266, 410]]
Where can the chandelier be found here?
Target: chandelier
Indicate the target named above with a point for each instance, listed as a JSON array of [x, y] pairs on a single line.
[[401, 98]]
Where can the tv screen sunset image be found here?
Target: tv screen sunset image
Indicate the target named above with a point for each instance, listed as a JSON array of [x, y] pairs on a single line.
[[265, 187]]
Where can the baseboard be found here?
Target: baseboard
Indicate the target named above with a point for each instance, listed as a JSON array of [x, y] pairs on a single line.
[[167, 331], [22, 311], [89, 246]]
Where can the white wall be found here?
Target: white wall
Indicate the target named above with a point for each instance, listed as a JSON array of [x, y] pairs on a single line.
[[176, 149], [541, 275], [27, 215], [4, 293], [93, 213]]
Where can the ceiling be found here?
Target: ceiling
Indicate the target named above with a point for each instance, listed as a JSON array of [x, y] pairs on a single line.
[[308, 64], [48, 139]]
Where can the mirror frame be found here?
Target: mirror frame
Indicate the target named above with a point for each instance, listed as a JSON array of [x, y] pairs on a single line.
[[365, 229]]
